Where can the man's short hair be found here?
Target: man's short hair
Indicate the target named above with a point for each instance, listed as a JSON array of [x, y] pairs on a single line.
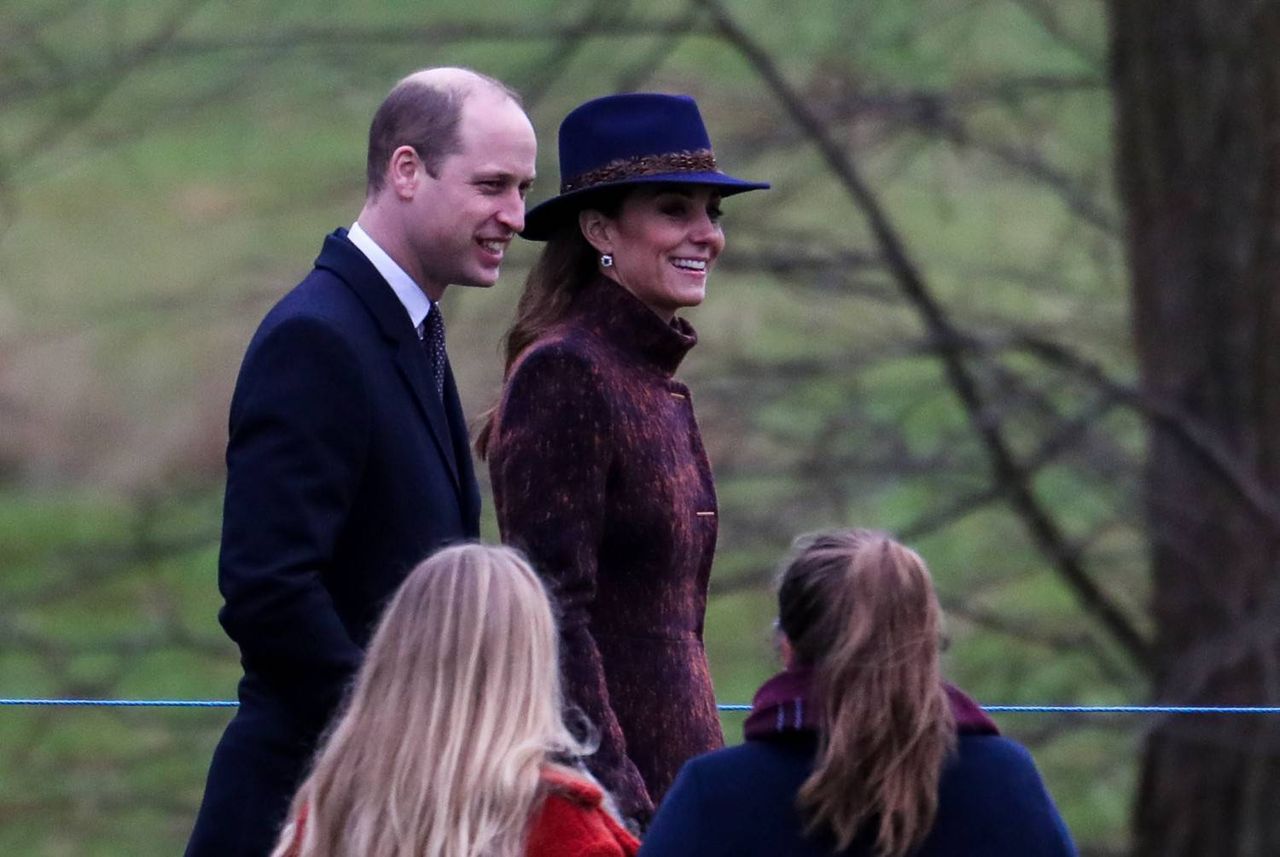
[[425, 116]]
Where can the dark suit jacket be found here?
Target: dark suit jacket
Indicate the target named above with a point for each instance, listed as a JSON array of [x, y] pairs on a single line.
[[344, 469], [740, 802]]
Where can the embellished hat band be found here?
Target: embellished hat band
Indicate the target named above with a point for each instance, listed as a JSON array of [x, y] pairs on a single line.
[[695, 161]]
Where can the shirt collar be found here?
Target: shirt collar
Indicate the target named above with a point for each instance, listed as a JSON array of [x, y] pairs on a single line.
[[415, 301]]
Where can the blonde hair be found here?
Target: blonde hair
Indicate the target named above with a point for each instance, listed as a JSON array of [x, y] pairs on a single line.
[[453, 714], [860, 608]]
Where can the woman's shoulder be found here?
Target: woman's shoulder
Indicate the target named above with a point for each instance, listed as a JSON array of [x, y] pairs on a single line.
[[992, 765], [573, 820], [570, 785], [560, 351], [751, 773], [994, 753], [992, 792], [561, 366]]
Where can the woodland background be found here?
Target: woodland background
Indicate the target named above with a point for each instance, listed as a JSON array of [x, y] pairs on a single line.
[[1012, 297]]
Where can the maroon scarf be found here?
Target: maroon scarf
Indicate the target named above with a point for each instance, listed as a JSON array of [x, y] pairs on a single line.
[[784, 704]]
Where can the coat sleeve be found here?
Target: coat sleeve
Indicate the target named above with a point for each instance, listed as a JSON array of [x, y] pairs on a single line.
[[549, 481], [299, 434]]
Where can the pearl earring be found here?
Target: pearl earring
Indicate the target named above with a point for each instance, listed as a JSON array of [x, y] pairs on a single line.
[[606, 260]]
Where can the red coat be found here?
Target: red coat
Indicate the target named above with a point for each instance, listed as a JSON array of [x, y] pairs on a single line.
[[571, 822], [574, 823]]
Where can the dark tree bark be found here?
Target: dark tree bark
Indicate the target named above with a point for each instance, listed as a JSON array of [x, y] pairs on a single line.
[[1197, 100]]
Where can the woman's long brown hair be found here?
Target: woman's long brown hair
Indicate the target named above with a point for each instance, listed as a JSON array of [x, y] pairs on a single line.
[[860, 608], [567, 263]]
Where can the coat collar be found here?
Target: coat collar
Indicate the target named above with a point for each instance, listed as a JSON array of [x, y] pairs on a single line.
[[572, 785], [625, 321], [785, 705], [408, 292], [343, 258]]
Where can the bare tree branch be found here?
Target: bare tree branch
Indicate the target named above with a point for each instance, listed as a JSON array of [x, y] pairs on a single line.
[[544, 73], [634, 77], [939, 113], [77, 110], [1022, 160], [293, 39], [1197, 438], [1006, 469], [1046, 14]]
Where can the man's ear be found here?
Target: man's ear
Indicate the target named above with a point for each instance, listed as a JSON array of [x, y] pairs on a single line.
[[403, 174], [597, 229]]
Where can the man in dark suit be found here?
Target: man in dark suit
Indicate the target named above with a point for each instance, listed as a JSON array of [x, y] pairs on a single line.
[[348, 460]]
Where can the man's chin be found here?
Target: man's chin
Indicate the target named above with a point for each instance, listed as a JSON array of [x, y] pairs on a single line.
[[486, 280]]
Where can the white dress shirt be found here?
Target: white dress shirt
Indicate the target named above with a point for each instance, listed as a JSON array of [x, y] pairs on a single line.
[[415, 300]]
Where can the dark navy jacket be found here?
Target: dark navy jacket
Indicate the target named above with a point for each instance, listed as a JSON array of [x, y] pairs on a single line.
[[344, 470], [740, 802]]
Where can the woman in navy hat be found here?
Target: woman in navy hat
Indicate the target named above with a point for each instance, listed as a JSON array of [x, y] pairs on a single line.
[[598, 469]]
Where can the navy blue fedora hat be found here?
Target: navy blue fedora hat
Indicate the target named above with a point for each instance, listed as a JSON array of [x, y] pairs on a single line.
[[636, 138]]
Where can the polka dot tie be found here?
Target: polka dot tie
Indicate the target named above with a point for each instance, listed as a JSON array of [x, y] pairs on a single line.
[[433, 344]]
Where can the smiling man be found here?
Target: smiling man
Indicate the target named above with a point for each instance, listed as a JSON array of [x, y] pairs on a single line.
[[348, 459]]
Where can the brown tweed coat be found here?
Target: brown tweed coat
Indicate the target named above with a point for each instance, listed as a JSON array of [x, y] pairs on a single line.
[[600, 476]]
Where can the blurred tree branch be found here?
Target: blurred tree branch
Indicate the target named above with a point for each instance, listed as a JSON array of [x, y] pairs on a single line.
[[1048, 15], [1196, 437], [77, 107], [1007, 470]]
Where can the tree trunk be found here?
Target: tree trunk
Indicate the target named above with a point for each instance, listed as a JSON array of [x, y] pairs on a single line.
[[1197, 100]]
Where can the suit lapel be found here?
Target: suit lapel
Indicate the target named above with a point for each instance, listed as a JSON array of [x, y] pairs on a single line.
[[344, 259], [462, 451], [412, 362]]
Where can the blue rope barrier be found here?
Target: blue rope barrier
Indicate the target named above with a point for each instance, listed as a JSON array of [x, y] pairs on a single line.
[[995, 709], [1132, 709], [126, 703]]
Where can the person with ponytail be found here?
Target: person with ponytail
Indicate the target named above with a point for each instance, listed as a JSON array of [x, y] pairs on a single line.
[[452, 741], [859, 748], [598, 468]]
